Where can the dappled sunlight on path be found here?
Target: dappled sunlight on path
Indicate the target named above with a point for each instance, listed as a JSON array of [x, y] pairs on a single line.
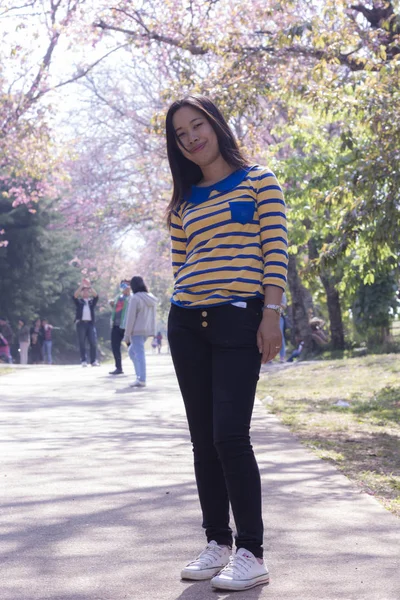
[[97, 485]]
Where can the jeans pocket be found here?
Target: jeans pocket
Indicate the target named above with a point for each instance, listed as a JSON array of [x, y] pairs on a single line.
[[242, 211]]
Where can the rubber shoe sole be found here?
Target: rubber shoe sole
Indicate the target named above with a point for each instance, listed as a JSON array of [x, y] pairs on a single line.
[[240, 584], [200, 575]]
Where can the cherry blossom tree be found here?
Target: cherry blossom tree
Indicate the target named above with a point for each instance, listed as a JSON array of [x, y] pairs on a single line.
[[310, 88]]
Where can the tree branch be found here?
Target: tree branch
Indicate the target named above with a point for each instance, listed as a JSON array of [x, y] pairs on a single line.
[[346, 59], [83, 72], [192, 48], [376, 15], [30, 95], [353, 63], [16, 8]]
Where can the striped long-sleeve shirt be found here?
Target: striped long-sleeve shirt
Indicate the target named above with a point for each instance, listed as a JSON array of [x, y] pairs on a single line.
[[229, 240]]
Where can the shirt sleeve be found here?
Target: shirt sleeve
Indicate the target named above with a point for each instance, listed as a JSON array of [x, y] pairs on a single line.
[[178, 242], [273, 229], [130, 319]]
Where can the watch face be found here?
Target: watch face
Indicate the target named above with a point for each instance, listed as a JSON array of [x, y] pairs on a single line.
[[274, 307]]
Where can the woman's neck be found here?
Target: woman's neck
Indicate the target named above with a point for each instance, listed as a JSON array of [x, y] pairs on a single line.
[[214, 172]]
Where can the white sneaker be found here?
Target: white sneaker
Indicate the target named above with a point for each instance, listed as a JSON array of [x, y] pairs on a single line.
[[95, 363], [138, 383], [208, 563], [241, 573], [84, 363]]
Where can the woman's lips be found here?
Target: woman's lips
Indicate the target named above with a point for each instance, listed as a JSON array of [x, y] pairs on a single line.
[[198, 148]]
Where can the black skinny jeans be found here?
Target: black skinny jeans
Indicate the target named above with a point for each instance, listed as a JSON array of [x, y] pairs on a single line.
[[217, 363], [117, 335]]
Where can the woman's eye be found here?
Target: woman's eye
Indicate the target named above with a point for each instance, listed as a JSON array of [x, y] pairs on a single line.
[[197, 125]]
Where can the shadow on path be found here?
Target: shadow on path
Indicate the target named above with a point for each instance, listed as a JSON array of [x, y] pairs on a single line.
[[99, 502]]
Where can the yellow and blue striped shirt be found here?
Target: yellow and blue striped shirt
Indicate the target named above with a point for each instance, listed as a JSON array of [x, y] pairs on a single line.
[[229, 240]]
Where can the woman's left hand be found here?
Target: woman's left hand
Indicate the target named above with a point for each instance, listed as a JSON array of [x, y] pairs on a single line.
[[269, 336]]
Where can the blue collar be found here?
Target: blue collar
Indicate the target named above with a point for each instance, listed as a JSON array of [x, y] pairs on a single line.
[[199, 194]]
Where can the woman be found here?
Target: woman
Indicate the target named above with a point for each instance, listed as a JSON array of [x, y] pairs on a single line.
[[140, 323], [229, 253]]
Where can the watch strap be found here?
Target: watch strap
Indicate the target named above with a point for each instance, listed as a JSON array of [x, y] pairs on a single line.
[[276, 307]]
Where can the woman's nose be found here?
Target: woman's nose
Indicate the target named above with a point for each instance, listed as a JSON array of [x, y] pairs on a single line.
[[193, 137]]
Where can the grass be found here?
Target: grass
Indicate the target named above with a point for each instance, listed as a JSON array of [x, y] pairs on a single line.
[[363, 439], [4, 370]]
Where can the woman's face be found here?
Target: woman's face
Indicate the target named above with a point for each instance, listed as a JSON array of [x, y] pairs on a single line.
[[197, 139]]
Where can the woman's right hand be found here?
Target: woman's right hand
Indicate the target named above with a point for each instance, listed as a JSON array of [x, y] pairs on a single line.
[[269, 337]]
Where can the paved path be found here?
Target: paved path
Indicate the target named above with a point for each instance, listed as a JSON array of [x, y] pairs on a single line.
[[98, 500]]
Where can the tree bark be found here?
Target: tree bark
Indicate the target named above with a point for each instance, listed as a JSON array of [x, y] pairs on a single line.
[[332, 299], [300, 301], [335, 313]]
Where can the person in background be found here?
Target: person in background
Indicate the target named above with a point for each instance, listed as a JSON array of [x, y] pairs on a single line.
[[7, 332], [23, 340], [36, 342], [5, 355], [319, 337], [118, 319], [140, 323], [46, 333], [159, 339], [296, 352], [85, 299]]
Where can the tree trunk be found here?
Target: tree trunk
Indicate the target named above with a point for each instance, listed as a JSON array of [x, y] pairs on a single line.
[[333, 301], [335, 313], [300, 301]]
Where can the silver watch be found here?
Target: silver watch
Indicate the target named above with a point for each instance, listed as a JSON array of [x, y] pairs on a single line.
[[276, 307]]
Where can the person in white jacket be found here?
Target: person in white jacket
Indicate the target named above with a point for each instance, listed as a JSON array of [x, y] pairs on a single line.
[[141, 322]]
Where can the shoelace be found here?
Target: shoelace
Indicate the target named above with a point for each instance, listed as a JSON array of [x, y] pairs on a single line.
[[238, 565], [209, 554]]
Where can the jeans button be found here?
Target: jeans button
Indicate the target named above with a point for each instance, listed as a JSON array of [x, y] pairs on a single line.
[[204, 313], [204, 324]]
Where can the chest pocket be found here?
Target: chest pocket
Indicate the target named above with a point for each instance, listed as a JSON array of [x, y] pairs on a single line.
[[242, 212]]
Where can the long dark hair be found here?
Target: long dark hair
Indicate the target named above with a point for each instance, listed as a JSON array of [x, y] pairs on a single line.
[[138, 285], [186, 173]]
